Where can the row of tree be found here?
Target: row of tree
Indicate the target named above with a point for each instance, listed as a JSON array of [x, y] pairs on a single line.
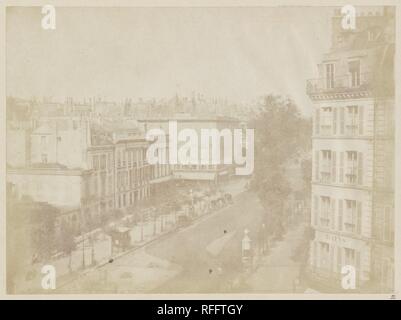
[[282, 135]]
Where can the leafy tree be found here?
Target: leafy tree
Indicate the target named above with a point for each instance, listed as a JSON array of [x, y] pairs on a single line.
[[306, 167], [43, 229], [281, 134], [67, 242], [30, 236]]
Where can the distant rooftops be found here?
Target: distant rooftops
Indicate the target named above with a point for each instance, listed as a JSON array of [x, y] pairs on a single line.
[[186, 117]]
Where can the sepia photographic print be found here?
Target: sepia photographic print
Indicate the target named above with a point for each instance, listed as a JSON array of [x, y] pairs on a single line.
[[200, 149]]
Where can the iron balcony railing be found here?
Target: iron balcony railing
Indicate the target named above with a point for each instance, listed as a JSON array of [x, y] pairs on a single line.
[[337, 84]]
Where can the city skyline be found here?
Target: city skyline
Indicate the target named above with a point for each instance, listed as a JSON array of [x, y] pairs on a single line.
[[219, 53]]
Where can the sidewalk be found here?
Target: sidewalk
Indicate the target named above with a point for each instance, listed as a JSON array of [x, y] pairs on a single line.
[[277, 272]]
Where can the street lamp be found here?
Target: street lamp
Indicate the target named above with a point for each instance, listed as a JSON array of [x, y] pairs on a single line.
[[246, 244], [246, 249]]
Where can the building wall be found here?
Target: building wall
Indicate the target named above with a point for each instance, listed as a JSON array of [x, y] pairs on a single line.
[[64, 142], [63, 188], [132, 174], [330, 251], [353, 153], [17, 147], [102, 180], [343, 210]]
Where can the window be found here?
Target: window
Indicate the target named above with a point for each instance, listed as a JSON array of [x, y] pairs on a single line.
[[44, 158], [325, 212], [325, 166], [43, 140], [96, 162], [327, 120], [354, 69], [351, 125], [353, 216], [349, 257], [340, 215], [351, 172], [330, 76]]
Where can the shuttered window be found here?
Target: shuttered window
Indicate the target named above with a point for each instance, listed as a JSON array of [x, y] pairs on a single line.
[[333, 213], [360, 168], [341, 173], [359, 218], [340, 215], [360, 120], [334, 165], [334, 121], [357, 264], [342, 121]]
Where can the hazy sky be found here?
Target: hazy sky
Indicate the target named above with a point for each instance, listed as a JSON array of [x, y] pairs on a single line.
[[238, 53]]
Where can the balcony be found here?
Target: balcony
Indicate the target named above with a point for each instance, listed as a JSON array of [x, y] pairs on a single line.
[[339, 84]]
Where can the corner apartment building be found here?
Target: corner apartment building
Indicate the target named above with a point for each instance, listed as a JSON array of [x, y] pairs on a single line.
[[353, 154]]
